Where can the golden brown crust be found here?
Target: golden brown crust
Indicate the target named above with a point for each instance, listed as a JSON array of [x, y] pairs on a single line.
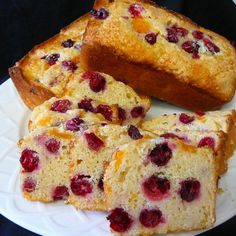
[[195, 84], [31, 94]]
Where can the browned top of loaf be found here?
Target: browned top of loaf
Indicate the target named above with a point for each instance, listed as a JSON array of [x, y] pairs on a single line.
[[53, 78], [214, 73]]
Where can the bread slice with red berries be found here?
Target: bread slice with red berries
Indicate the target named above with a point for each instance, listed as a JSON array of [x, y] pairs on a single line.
[[45, 164], [72, 113], [155, 186], [91, 154], [45, 70], [223, 121], [160, 53], [104, 88]]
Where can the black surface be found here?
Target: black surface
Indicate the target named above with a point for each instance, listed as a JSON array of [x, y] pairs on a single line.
[[24, 23]]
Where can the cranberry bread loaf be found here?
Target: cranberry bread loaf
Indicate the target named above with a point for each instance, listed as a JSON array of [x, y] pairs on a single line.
[[102, 87], [91, 155], [45, 164], [159, 186], [69, 112], [44, 71], [210, 121], [160, 53]]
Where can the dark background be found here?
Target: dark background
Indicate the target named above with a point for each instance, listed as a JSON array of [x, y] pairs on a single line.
[[25, 23]]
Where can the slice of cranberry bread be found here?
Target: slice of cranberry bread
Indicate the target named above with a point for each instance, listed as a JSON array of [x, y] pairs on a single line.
[[209, 121], [102, 87], [45, 164], [72, 113], [159, 186], [91, 155], [44, 71], [160, 53]]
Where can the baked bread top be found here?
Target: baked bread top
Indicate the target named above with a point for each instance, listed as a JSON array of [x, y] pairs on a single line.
[[45, 70], [146, 34]]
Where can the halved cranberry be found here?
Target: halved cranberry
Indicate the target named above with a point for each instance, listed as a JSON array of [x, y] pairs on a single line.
[[120, 220], [171, 135], [61, 106], [80, 185], [86, 104], [93, 141], [29, 185], [69, 65], [134, 133], [136, 10], [121, 114], [198, 34], [211, 46], [100, 14], [29, 160], [174, 32], [101, 184], [106, 111], [52, 145], [186, 119], [150, 218], [68, 43], [151, 38], [97, 82], [60, 192], [200, 113], [156, 188], [190, 189], [137, 112], [51, 59], [74, 124], [207, 141], [191, 47], [161, 154]]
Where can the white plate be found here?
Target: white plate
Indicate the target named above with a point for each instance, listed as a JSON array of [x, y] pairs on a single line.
[[56, 218]]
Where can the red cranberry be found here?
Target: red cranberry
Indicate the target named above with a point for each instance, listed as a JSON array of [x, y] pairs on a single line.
[[100, 14], [198, 34], [74, 124], [186, 119], [156, 188], [60, 192], [121, 114], [93, 141], [101, 184], [171, 135], [120, 220], [69, 65], [137, 112], [151, 38], [207, 141], [161, 154], [190, 189], [191, 47], [211, 46], [80, 185], [61, 106], [97, 82], [106, 111], [200, 113], [150, 218], [29, 185], [68, 43], [52, 145], [136, 10], [134, 133], [86, 104], [174, 32], [51, 59], [29, 160]]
